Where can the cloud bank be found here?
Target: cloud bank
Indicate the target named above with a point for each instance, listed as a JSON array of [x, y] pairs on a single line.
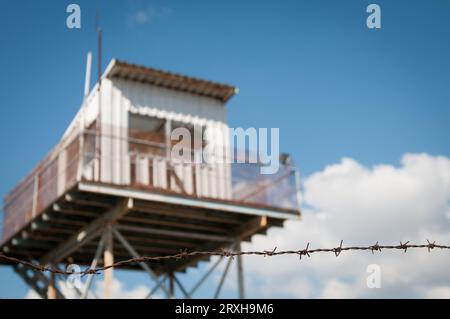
[[118, 291], [361, 206]]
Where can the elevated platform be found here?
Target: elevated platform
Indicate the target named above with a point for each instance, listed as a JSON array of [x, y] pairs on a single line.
[[154, 223]]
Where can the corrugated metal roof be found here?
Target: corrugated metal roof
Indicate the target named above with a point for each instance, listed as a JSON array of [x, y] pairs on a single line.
[[133, 72]]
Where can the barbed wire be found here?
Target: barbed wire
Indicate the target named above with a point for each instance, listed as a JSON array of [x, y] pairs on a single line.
[[224, 253]]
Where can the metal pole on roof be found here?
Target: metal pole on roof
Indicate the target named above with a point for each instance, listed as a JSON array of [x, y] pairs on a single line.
[[87, 80]]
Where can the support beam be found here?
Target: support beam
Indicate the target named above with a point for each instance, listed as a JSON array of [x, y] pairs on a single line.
[[108, 259], [71, 211], [161, 282], [171, 285], [178, 180], [135, 254], [222, 279], [180, 224], [173, 233], [149, 241], [184, 212], [180, 285], [88, 232], [33, 278], [240, 273], [250, 228], [79, 200], [51, 289], [94, 263], [205, 276]]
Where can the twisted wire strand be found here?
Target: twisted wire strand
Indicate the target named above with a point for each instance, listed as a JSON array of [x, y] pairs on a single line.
[[226, 253]]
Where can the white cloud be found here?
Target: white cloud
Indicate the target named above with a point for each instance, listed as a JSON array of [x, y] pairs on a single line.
[[363, 205], [145, 15], [118, 291], [337, 289], [31, 294], [442, 292]]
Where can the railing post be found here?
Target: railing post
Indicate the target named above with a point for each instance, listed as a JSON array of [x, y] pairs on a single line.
[[80, 157], [35, 195], [168, 132]]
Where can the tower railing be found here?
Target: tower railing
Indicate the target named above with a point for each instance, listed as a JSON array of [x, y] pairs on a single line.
[[144, 165]]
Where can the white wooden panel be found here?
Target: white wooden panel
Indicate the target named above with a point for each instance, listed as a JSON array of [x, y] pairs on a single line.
[[187, 178], [220, 177], [159, 173], [204, 181], [142, 170], [89, 171], [114, 147], [212, 180]]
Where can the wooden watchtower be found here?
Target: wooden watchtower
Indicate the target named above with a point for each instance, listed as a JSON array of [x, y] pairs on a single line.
[[110, 191]]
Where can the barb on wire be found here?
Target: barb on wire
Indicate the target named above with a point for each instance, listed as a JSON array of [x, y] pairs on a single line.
[[304, 252], [224, 253], [270, 253], [377, 247], [431, 245], [338, 250]]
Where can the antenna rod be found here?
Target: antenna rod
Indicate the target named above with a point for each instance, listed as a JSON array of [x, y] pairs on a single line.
[[99, 49], [99, 56], [87, 80]]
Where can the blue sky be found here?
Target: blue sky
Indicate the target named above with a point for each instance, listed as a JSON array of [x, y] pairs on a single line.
[[312, 68]]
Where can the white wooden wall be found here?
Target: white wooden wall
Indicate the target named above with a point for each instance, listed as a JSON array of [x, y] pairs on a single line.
[[120, 97], [115, 161]]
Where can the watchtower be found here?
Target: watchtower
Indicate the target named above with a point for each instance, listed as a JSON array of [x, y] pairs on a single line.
[[110, 190]]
